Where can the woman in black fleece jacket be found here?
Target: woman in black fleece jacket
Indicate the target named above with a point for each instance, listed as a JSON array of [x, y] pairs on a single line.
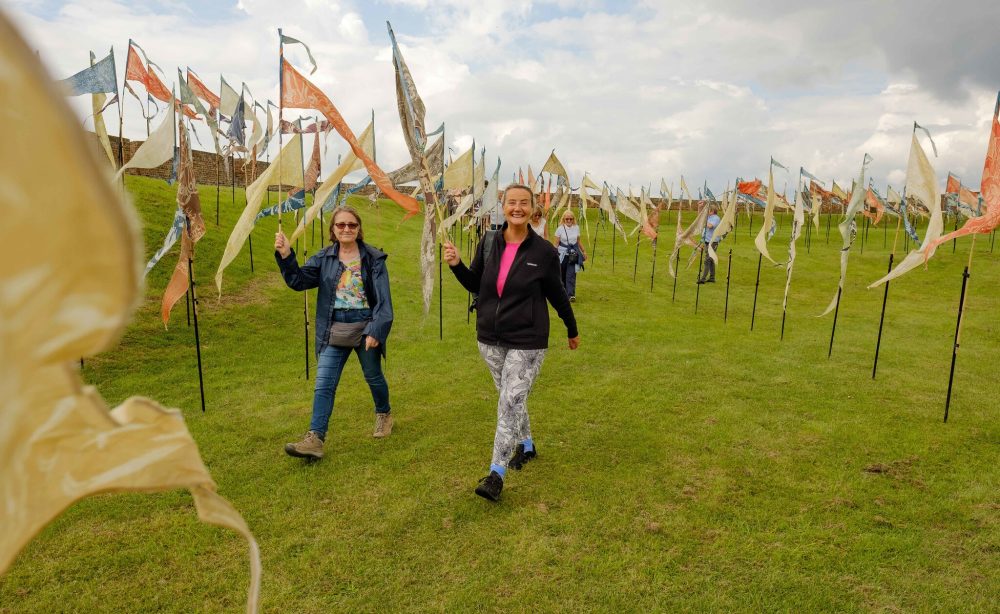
[[514, 273]]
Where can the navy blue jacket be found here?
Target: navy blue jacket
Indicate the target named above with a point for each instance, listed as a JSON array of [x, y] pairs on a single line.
[[323, 271]]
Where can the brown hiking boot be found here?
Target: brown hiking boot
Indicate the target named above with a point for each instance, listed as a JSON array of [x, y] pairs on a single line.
[[383, 425], [311, 446]]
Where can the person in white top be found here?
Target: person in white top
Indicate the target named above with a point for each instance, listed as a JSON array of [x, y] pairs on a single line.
[[538, 224], [571, 252]]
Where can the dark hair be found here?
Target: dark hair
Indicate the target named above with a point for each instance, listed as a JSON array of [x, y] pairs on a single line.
[[357, 216]]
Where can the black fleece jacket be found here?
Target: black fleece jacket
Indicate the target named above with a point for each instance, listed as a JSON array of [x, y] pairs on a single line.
[[520, 318]]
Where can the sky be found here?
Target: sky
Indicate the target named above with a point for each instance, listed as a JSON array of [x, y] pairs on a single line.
[[630, 92]]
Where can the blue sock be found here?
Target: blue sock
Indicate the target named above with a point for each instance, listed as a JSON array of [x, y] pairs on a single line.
[[499, 469], [528, 444]]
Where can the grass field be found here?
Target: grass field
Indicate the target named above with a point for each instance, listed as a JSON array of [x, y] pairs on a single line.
[[685, 463]]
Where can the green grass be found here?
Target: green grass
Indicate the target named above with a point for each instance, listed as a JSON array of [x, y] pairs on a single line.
[[686, 463]]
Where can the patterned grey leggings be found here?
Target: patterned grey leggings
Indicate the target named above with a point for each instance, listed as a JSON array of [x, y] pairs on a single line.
[[514, 372]]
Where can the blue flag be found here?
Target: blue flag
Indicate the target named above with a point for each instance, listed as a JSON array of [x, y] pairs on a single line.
[[237, 126], [293, 202], [97, 79]]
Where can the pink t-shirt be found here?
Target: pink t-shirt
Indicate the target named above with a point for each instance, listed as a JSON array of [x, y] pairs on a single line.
[[506, 260]]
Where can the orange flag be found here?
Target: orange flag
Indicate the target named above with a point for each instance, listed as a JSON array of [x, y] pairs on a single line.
[[990, 190], [189, 203], [297, 92]]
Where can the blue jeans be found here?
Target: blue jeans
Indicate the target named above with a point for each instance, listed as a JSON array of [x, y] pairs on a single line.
[[330, 366]]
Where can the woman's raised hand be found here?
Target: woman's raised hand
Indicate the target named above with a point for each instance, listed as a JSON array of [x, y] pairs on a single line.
[[451, 254], [281, 244]]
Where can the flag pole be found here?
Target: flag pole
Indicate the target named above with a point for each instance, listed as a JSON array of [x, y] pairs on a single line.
[[121, 117], [635, 266], [281, 113], [881, 319], [218, 178], [697, 291], [958, 329], [613, 239], [305, 251], [836, 311], [652, 273], [677, 263], [729, 271], [756, 286], [194, 302], [885, 295]]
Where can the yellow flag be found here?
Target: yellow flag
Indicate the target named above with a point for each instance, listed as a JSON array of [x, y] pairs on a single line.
[[762, 237], [554, 166], [286, 170], [458, 175], [922, 187], [68, 291]]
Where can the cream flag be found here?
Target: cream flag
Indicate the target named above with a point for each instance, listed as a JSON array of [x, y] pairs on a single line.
[[554, 166], [157, 149], [587, 183], [257, 135], [97, 103], [848, 229], [348, 164], [286, 170], [479, 179], [462, 208], [691, 236], [68, 290], [229, 98], [609, 210], [922, 186], [458, 175], [798, 219], [626, 207], [761, 240], [725, 225]]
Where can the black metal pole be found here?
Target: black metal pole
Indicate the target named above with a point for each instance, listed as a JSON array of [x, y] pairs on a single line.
[[677, 264], [250, 243], [593, 250], [697, 291], [885, 236], [993, 235], [613, 238], [864, 233], [729, 270], [881, 319], [756, 286], [954, 348], [305, 315], [652, 274], [955, 240], [197, 338], [187, 305], [635, 267], [440, 295], [836, 311]]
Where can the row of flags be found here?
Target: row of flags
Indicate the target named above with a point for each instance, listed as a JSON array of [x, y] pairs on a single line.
[[228, 111]]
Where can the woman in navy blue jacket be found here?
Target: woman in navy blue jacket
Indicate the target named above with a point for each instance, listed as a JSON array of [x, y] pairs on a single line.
[[353, 288]]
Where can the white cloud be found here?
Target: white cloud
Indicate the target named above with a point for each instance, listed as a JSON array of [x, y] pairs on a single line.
[[630, 93]]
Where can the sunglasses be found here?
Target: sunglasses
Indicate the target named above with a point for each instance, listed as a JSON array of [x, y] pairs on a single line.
[[343, 225]]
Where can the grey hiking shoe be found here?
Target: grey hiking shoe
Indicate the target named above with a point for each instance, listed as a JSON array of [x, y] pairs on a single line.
[[311, 446], [383, 425]]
